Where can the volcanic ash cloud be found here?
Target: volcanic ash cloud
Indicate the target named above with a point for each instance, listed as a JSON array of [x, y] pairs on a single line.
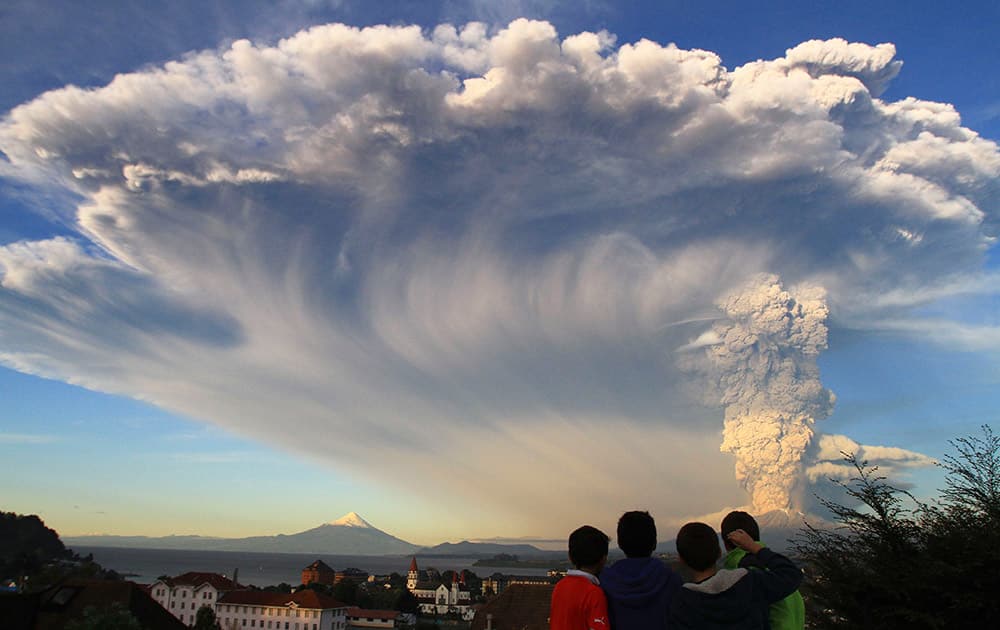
[[761, 357], [386, 248]]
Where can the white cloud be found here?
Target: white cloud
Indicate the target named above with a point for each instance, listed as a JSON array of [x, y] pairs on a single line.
[[383, 247], [831, 450], [26, 438]]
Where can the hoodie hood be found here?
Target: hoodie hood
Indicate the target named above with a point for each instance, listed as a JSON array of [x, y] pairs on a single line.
[[637, 582]]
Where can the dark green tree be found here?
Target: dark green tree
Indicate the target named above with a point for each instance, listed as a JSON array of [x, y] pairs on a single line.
[[406, 602], [346, 591], [396, 580], [205, 619], [112, 617], [26, 545], [284, 587], [962, 532], [894, 562], [324, 589]]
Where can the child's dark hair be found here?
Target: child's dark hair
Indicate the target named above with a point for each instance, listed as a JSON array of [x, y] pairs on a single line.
[[637, 534], [698, 546], [587, 546], [740, 520]]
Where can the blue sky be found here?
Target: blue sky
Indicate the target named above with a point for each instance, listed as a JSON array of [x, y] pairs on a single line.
[[210, 338]]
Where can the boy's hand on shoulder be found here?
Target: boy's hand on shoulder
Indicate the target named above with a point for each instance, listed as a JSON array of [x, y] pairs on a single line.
[[743, 540]]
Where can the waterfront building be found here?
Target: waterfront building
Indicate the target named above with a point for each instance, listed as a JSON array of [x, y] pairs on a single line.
[[183, 595], [498, 582], [302, 610], [356, 575], [318, 573]]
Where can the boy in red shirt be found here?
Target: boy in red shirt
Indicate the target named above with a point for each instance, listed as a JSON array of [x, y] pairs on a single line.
[[578, 603]]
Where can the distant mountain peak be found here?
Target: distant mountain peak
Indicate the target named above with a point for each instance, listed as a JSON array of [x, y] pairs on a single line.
[[352, 519]]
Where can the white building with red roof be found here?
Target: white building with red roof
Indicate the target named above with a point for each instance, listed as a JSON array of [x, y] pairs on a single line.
[[183, 595], [303, 610]]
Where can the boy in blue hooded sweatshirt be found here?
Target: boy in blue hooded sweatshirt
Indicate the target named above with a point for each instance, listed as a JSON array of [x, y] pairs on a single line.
[[640, 587]]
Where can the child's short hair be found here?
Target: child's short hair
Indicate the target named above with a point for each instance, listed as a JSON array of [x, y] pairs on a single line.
[[698, 546], [587, 546], [637, 534], [740, 520]]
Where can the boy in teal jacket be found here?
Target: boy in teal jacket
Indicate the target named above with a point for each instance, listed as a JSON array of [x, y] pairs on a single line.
[[789, 613]]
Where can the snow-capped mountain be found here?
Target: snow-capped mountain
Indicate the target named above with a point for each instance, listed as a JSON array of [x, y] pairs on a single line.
[[348, 535], [351, 519]]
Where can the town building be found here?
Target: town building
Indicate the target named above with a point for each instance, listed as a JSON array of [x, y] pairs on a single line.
[[362, 618], [318, 573], [183, 595], [498, 582], [302, 610], [356, 575], [436, 597], [519, 607]]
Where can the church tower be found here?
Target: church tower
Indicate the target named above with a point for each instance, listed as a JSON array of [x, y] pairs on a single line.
[[453, 596], [413, 575]]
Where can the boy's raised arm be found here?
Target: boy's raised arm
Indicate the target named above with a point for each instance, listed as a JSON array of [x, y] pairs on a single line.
[[781, 578]]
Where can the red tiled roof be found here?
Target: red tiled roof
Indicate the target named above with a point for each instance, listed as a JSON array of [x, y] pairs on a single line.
[[372, 614], [413, 564], [196, 578], [521, 606], [306, 598]]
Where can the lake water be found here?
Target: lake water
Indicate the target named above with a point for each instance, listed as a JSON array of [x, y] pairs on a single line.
[[264, 569]]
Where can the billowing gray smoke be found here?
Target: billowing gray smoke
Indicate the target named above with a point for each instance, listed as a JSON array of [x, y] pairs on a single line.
[[762, 358]]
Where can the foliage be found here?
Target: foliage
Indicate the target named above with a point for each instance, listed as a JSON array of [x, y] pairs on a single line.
[[346, 591], [112, 617], [406, 602], [29, 549], [323, 589], [284, 587], [397, 580], [205, 619], [894, 562], [26, 545]]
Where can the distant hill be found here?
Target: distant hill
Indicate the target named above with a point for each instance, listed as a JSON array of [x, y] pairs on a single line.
[[348, 535], [468, 549]]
